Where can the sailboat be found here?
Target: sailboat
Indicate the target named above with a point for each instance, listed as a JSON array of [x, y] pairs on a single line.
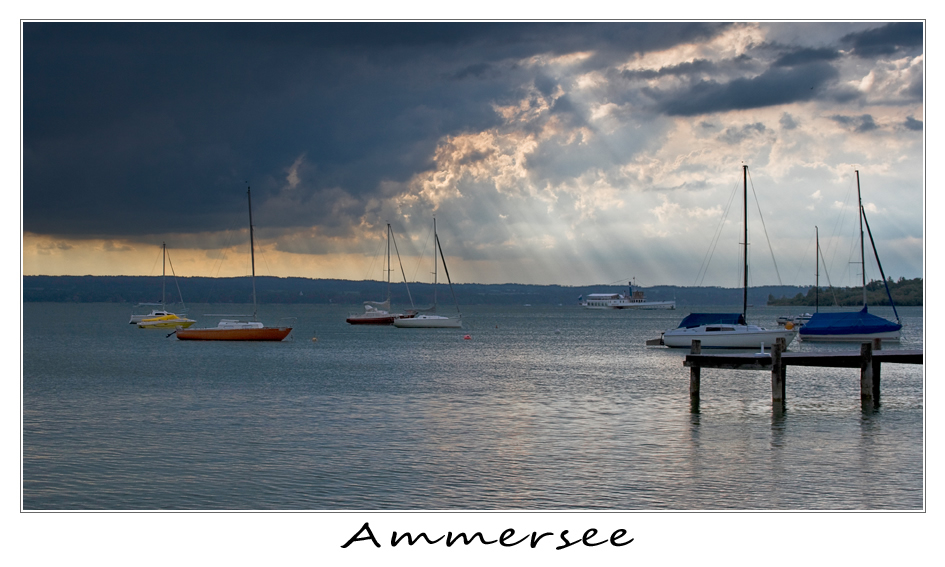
[[861, 325], [162, 318], [726, 330], [378, 312], [233, 329], [431, 319]]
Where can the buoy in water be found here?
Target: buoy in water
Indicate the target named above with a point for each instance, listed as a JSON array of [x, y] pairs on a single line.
[[314, 339], [466, 337]]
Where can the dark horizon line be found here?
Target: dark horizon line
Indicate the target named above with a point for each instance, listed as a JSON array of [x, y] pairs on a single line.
[[808, 286]]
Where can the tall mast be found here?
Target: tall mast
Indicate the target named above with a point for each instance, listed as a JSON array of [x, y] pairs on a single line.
[[252, 257], [745, 222], [862, 255], [388, 264], [163, 274], [446, 270], [435, 241], [402, 272], [817, 272]]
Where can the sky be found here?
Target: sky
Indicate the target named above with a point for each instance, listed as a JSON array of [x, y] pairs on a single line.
[[548, 153]]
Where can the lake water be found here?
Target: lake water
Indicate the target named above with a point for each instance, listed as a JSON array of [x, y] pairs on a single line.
[[542, 408]]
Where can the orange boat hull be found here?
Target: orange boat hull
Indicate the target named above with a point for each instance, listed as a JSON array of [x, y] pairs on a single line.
[[264, 334]]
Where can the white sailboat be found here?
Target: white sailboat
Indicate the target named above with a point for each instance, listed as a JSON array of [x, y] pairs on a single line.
[[726, 330], [431, 320]]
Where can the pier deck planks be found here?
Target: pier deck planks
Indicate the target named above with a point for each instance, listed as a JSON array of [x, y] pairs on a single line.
[[838, 359]]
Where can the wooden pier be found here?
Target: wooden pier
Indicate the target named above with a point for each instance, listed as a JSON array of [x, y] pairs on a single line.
[[869, 360]]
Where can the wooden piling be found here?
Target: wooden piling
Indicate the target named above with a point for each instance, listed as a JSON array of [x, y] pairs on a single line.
[[877, 346], [778, 372], [868, 360], [866, 371], [695, 372]]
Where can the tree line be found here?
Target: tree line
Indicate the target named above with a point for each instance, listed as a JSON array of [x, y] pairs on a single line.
[[904, 292]]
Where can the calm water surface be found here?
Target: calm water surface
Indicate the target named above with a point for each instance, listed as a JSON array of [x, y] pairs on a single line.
[[543, 408]]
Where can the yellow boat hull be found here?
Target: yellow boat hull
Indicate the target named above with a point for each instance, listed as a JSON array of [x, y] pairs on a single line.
[[165, 322]]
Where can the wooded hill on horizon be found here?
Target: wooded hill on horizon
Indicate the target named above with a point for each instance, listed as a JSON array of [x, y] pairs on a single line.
[[904, 292]]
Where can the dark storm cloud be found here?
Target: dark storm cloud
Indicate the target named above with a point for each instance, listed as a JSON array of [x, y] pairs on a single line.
[[135, 128], [695, 68], [886, 40], [779, 85], [805, 56]]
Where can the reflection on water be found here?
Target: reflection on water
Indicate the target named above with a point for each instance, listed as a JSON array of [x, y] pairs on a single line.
[[543, 408]]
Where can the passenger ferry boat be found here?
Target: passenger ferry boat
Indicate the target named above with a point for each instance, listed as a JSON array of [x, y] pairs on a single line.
[[636, 300]]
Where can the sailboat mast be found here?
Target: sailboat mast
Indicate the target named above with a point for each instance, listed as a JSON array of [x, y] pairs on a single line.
[[879, 265], [745, 223], [434, 264], [388, 264], [817, 271], [402, 272], [862, 255], [163, 274], [446, 271], [252, 257]]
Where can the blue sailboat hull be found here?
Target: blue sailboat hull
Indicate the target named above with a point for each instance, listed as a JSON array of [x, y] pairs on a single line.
[[856, 326]]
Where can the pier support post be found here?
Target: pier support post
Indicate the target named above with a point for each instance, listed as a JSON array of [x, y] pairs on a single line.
[[877, 345], [778, 372], [695, 373], [866, 371]]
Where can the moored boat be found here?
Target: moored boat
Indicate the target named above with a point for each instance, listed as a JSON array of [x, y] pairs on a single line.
[[378, 312], [167, 321], [138, 317], [795, 320], [430, 320], [726, 330], [722, 330], [236, 330], [860, 326], [373, 315], [161, 314]]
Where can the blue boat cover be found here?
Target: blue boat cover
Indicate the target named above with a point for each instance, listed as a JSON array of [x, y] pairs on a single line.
[[856, 323], [699, 319]]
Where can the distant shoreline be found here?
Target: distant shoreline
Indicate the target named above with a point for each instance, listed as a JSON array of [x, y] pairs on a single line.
[[274, 290]]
